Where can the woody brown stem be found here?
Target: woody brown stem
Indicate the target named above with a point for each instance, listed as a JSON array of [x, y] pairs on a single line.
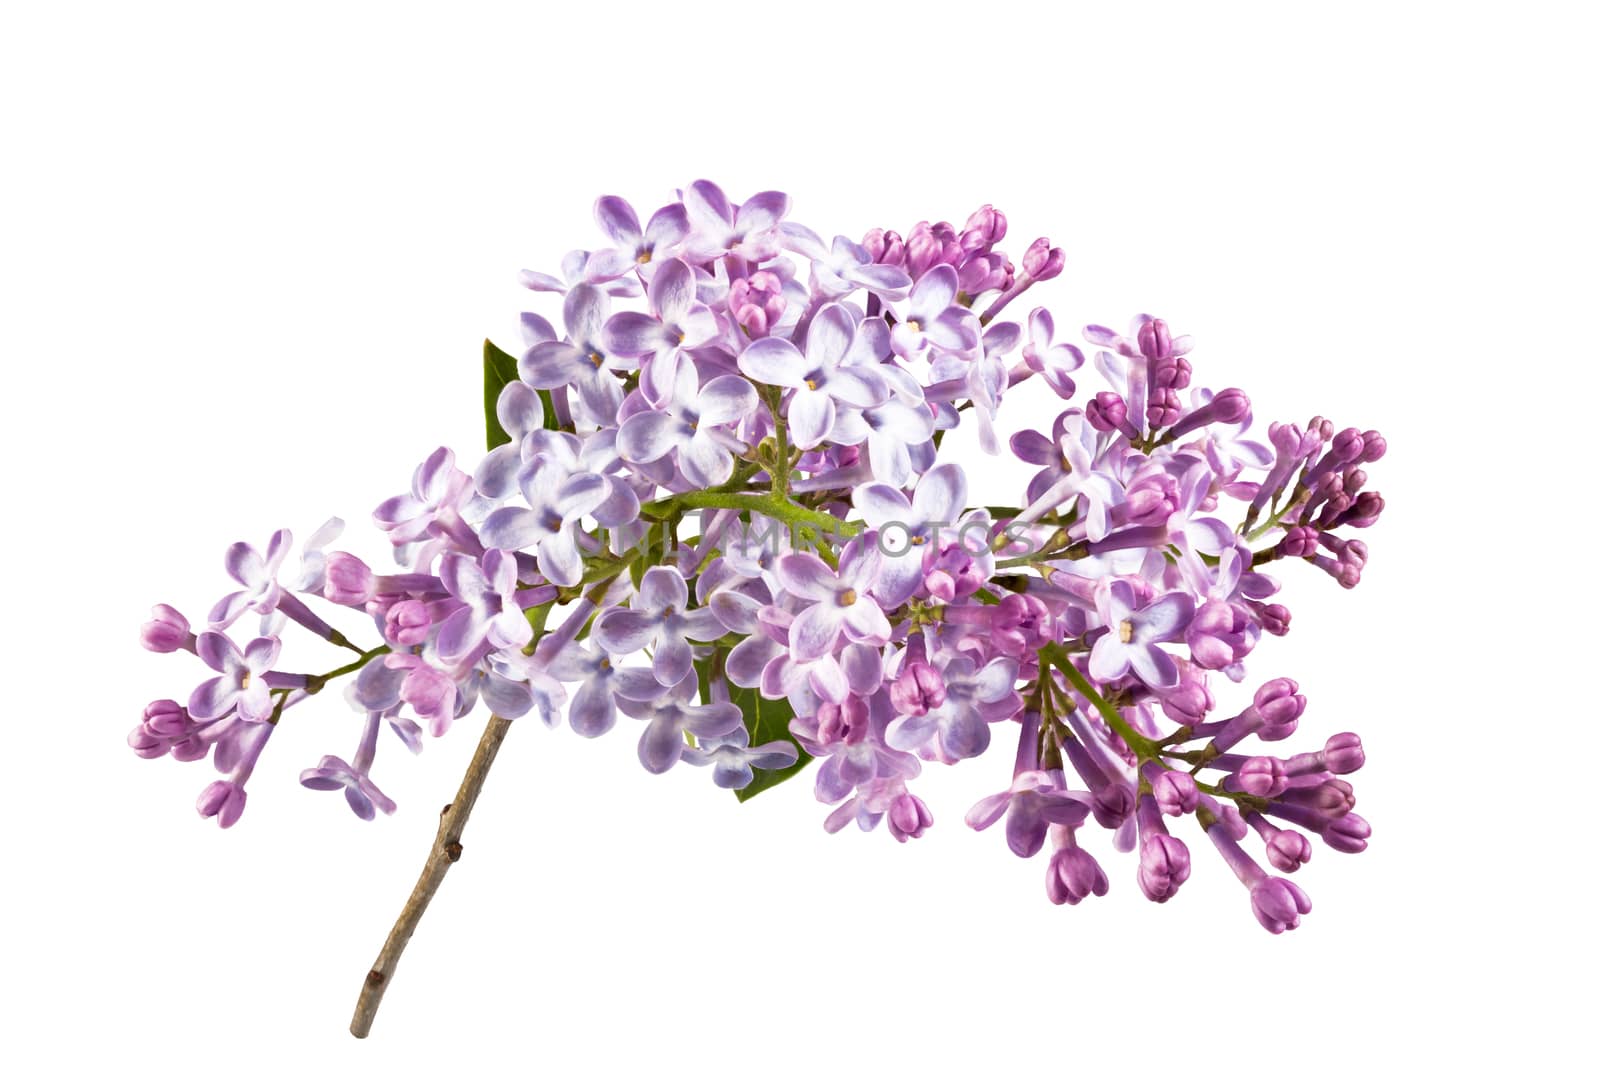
[[445, 852]]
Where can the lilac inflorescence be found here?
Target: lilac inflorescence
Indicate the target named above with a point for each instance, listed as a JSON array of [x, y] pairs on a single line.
[[718, 508]]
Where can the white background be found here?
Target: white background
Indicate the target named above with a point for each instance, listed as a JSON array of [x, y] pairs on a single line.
[[248, 263]]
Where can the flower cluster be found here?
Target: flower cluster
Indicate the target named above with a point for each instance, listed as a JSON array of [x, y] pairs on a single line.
[[715, 504]]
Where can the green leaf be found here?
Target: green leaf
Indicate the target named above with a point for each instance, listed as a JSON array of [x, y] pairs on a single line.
[[499, 368], [766, 721]]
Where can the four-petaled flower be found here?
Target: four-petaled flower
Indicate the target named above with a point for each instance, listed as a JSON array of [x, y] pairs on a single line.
[[241, 684], [690, 426], [820, 378], [1129, 644], [658, 614]]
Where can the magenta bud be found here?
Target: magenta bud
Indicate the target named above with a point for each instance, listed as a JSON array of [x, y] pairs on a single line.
[[1347, 446], [167, 719], [885, 247], [1175, 792], [223, 800], [1366, 509], [347, 581], [1298, 542], [1375, 447], [1275, 619], [407, 623], [987, 225], [1165, 407], [909, 817], [166, 630], [1163, 866], [1348, 834], [1188, 702], [1343, 754], [190, 748], [1107, 412], [1230, 406], [1279, 904], [1042, 262], [146, 744], [1073, 875], [1287, 850], [1279, 701], [918, 689], [1155, 339], [1112, 804], [1286, 438], [1262, 776]]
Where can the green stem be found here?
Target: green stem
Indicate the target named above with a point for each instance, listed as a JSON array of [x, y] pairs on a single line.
[[779, 508], [1143, 748]]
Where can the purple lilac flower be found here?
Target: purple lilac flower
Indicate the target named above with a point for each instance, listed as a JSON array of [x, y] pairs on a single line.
[[821, 378], [665, 550]]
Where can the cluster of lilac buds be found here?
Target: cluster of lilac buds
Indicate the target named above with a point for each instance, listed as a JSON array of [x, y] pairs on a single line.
[[714, 505]]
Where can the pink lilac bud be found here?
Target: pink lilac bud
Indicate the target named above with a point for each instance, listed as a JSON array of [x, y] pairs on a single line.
[[1364, 511], [1287, 850], [757, 302], [918, 689], [1229, 406], [147, 744], [1164, 408], [1279, 904], [1376, 447], [1261, 776], [167, 630], [1020, 623], [1220, 634], [950, 573], [1279, 701], [885, 247], [1163, 866], [1155, 339], [1343, 754], [1043, 262], [429, 691], [909, 817], [1151, 500], [1112, 804], [849, 722], [224, 800], [1189, 701], [1163, 859], [1330, 800], [1107, 412], [984, 273], [1175, 792], [929, 245], [167, 719], [407, 623], [1274, 618], [348, 581], [1298, 542], [1348, 834], [1073, 874], [985, 228]]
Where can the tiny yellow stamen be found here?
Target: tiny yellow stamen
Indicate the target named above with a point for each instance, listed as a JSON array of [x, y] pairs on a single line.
[[644, 256], [847, 598], [1125, 631], [596, 359]]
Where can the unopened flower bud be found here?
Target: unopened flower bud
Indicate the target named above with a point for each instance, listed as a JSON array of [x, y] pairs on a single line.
[[407, 623], [223, 800], [1073, 875], [1348, 834], [1042, 262], [166, 630], [348, 580], [1163, 866], [1175, 792], [1287, 850], [909, 817], [918, 689], [1279, 904]]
